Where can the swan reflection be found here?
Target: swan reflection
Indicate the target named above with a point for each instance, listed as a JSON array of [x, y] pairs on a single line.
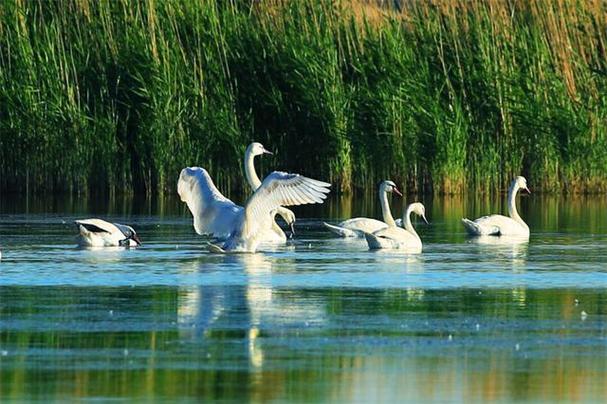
[[252, 309], [510, 248]]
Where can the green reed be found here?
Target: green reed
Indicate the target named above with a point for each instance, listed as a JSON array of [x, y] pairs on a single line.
[[442, 96]]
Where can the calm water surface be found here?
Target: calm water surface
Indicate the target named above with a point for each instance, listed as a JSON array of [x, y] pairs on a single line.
[[320, 319]]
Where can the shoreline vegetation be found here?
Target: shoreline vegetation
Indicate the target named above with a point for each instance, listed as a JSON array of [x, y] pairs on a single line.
[[440, 96]]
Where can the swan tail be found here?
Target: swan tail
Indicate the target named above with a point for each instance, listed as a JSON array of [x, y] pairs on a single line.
[[475, 229], [340, 231], [472, 228], [214, 248], [376, 243], [83, 231]]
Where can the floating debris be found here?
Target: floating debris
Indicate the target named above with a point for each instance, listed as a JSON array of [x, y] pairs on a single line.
[[450, 338], [517, 347], [125, 352], [478, 326]]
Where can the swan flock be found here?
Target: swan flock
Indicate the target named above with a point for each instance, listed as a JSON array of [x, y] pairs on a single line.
[[243, 228]]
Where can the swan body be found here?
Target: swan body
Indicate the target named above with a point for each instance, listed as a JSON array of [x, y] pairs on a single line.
[[244, 227], [394, 237], [499, 225], [99, 233], [356, 227], [275, 234], [359, 226]]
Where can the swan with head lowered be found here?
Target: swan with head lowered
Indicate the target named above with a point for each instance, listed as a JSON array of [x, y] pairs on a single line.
[[394, 237], [499, 225], [244, 228], [99, 233], [275, 234], [358, 226]]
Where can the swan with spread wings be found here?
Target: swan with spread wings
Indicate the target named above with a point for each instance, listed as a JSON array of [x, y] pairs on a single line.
[[243, 228]]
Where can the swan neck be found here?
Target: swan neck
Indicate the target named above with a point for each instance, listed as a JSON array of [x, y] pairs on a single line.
[[512, 211], [249, 170], [407, 221], [385, 208]]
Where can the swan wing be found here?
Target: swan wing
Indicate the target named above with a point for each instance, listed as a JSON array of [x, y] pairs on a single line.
[[396, 233], [356, 227], [282, 189], [393, 238], [492, 225], [363, 224], [97, 226], [213, 213], [342, 231]]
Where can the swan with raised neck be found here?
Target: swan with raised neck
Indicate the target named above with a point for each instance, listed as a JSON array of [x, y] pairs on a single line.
[[395, 237], [499, 225], [257, 149], [358, 226]]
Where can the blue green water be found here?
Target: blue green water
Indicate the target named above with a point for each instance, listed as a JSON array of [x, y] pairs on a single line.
[[320, 319]]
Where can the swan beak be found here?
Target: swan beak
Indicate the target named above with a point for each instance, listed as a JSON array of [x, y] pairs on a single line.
[[136, 239], [425, 220], [397, 192], [292, 226], [267, 152], [527, 189]]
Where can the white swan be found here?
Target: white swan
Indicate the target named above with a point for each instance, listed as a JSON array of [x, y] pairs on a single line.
[[276, 234], [499, 225], [358, 226], [394, 237], [244, 227], [99, 233]]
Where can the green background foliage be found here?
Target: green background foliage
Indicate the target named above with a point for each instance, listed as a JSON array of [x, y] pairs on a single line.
[[118, 96]]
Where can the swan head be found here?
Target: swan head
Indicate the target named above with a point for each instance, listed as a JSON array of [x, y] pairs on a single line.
[[389, 186], [289, 217], [257, 149], [419, 209], [133, 235], [129, 233], [520, 182]]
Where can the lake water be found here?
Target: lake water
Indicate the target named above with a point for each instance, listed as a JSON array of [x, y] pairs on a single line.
[[320, 319]]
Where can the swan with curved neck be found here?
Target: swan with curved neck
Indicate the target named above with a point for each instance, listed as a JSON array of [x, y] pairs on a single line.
[[244, 227], [276, 234], [499, 225], [358, 226], [394, 237]]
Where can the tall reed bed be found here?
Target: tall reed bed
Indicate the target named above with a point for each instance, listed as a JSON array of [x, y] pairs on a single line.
[[118, 96]]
